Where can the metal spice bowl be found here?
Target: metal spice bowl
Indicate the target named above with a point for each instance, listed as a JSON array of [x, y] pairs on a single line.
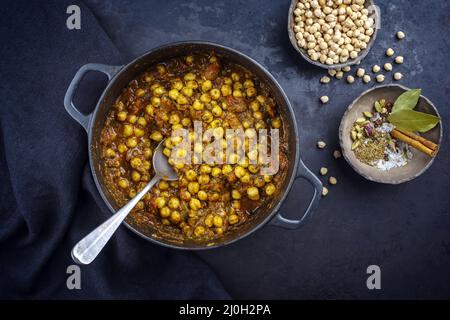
[[304, 54], [420, 161]]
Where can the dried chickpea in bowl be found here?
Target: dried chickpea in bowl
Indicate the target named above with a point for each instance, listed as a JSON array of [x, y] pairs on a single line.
[[215, 193], [332, 33]]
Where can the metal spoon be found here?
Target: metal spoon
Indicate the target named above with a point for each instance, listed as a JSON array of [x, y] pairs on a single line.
[[87, 249]]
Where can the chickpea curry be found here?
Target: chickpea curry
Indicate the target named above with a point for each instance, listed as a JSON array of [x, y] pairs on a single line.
[[208, 200]]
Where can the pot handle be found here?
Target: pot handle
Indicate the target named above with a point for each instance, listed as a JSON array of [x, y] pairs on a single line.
[[81, 118], [305, 173]]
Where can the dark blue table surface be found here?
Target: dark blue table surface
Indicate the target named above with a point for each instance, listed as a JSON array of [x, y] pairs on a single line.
[[404, 229]]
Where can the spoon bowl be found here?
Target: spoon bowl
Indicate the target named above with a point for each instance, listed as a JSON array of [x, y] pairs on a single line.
[[87, 249]]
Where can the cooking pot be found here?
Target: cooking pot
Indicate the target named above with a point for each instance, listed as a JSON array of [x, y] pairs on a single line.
[[120, 76]]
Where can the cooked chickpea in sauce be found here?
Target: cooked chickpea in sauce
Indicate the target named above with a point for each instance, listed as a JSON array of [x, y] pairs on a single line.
[[208, 200]]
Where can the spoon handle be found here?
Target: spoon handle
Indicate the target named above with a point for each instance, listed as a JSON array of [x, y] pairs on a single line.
[[87, 249]]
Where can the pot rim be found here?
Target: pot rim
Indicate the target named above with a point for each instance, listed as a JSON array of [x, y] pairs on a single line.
[[269, 77]]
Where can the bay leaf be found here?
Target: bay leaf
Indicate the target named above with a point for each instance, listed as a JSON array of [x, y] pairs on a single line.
[[407, 100], [411, 120]]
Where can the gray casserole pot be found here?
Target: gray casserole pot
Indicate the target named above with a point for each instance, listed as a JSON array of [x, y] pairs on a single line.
[[120, 76]]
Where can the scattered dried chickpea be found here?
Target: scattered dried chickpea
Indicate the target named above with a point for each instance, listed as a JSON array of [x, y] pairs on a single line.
[[324, 191], [390, 52], [321, 144], [324, 99], [398, 76], [376, 68], [399, 60], [350, 79], [360, 72], [337, 154], [332, 180], [367, 78], [388, 66], [400, 35], [323, 171], [380, 78], [325, 80]]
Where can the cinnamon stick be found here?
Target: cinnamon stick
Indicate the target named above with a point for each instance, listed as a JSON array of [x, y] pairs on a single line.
[[412, 142], [430, 144]]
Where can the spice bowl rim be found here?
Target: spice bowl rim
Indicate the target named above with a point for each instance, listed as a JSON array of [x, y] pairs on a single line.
[[304, 54], [358, 168]]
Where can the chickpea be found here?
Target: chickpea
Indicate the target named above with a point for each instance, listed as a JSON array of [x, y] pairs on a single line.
[[173, 94], [245, 178], [205, 169], [164, 212], [254, 105], [239, 171], [132, 193], [127, 130], [157, 136], [197, 105], [135, 162], [123, 183], [235, 76], [175, 217], [237, 94], [188, 92], [135, 176], [161, 69], [167, 152], [122, 116], [132, 142], [216, 111], [261, 99], [215, 94], [218, 222], [163, 185], [226, 169], [140, 92], [207, 117], [192, 84], [185, 195], [251, 92], [235, 194], [237, 86], [248, 83], [148, 153], [177, 85], [186, 122], [215, 172], [233, 219], [276, 123], [110, 153], [209, 220], [174, 118], [206, 85], [189, 76], [150, 110], [122, 148], [203, 179], [182, 100], [138, 132], [159, 91], [189, 60], [270, 189], [253, 193], [226, 90], [202, 195], [193, 187], [199, 231], [174, 203], [205, 97], [160, 202], [213, 196], [195, 204], [191, 175]]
